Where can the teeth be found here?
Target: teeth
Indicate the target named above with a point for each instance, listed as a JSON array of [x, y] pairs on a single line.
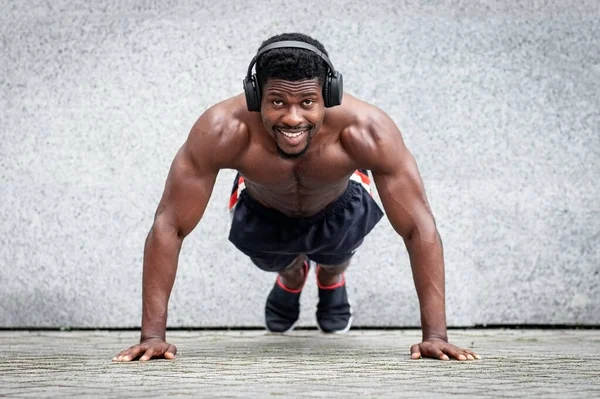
[[292, 135]]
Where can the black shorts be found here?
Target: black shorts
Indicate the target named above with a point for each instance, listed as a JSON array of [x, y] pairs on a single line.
[[273, 240]]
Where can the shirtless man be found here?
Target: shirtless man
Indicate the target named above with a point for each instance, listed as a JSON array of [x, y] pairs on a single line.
[[302, 149]]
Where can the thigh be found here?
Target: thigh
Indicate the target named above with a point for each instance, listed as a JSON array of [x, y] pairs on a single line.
[[331, 260], [273, 262]]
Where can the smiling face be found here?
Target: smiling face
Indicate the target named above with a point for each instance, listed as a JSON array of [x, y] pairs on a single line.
[[292, 112]]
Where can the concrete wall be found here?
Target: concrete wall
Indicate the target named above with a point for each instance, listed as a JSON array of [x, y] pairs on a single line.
[[499, 103]]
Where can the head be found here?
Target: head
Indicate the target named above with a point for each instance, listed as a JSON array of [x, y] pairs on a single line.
[[291, 84]]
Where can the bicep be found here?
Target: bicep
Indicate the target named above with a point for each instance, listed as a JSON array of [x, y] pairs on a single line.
[[401, 188], [404, 200], [187, 190], [214, 143]]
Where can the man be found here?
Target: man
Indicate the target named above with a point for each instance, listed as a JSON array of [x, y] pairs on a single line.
[[300, 196]]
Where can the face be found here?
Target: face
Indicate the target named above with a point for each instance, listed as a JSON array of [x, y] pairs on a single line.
[[292, 112]]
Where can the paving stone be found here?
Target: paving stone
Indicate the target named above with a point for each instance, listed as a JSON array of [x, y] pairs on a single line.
[[305, 363]]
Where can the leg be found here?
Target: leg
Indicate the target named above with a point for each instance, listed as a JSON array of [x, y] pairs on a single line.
[[292, 276], [334, 313], [283, 302], [329, 275]]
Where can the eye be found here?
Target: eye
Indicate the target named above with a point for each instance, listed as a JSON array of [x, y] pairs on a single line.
[[277, 103], [307, 102]]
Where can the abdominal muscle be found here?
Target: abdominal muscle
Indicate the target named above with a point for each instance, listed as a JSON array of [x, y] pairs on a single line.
[[297, 200]]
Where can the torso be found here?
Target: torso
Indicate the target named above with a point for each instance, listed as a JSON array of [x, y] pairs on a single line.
[[297, 187]]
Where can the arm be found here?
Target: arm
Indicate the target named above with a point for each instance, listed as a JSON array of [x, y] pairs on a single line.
[[402, 194], [187, 191], [403, 197]]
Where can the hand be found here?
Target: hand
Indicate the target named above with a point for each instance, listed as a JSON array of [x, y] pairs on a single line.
[[149, 349], [438, 348]]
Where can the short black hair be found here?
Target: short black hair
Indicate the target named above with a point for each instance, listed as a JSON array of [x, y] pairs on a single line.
[[291, 64]]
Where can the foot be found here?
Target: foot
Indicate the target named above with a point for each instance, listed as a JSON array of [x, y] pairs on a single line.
[[334, 314], [283, 306]]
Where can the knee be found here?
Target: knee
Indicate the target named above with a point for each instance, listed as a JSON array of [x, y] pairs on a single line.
[[333, 269], [295, 266]]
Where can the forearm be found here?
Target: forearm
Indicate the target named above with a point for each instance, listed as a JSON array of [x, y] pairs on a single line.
[[427, 262], [161, 255]]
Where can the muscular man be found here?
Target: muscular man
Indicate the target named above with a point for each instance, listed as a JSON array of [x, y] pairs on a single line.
[[302, 149]]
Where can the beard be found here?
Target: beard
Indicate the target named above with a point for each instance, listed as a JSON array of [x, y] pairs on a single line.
[[285, 155]]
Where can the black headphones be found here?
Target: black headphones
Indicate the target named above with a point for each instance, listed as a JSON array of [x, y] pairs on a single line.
[[332, 87]]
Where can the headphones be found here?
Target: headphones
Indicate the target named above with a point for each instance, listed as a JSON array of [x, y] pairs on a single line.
[[332, 87]]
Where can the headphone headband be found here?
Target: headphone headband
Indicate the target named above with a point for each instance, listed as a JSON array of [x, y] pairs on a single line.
[[289, 44], [333, 87]]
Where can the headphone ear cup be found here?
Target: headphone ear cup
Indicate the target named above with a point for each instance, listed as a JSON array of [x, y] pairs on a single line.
[[335, 91], [326, 91], [252, 94]]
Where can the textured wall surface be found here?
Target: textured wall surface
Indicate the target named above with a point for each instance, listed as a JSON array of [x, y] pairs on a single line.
[[499, 104]]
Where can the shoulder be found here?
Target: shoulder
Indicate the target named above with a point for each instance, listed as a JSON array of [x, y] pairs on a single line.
[[370, 136], [221, 132]]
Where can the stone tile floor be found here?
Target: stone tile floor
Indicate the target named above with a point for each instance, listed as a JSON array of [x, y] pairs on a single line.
[[305, 363]]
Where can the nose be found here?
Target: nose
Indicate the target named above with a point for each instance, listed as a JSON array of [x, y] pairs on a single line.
[[292, 117]]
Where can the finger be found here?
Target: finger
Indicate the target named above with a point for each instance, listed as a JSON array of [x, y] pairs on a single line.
[[147, 355], [454, 352], [121, 354], [471, 353], [437, 353], [132, 353], [171, 352], [434, 352], [415, 351], [119, 357]]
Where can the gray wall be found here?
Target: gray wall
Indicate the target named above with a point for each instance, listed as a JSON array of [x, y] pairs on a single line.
[[499, 103]]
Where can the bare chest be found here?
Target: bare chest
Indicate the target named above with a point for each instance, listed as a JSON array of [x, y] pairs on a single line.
[[299, 187]]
